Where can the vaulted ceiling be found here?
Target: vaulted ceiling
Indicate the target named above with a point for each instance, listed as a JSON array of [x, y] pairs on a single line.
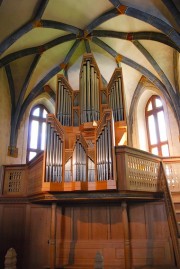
[[41, 38]]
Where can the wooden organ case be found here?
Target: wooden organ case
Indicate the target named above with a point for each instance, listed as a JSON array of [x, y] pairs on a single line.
[[81, 137]]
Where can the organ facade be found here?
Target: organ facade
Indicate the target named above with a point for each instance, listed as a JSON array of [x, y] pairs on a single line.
[[88, 124]]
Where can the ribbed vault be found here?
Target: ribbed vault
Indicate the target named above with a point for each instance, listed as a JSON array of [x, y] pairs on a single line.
[[51, 37]]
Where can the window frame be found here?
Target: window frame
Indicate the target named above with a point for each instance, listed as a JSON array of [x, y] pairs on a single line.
[[154, 112], [41, 120]]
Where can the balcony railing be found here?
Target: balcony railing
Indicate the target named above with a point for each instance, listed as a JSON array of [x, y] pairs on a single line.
[[172, 170], [136, 171]]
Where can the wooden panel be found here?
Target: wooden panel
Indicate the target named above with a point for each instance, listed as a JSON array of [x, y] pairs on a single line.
[[82, 253], [35, 175], [82, 230], [152, 252], [12, 231], [157, 226], [81, 223], [99, 223], [39, 235], [116, 227], [137, 221]]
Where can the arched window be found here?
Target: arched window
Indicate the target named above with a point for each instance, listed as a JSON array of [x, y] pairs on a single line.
[[37, 130], [156, 127]]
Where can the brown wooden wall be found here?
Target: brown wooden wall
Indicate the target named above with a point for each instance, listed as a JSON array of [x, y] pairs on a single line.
[[81, 230]]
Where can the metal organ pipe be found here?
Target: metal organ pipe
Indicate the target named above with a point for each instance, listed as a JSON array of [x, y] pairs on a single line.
[[54, 150], [116, 100], [89, 92], [121, 100], [104, 154], [97, 94], [92, 95], [84, 94], [91, 170], [64, 104], [47, 151], [79, 163]]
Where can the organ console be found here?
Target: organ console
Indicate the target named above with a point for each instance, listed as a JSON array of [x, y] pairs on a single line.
[[80, 140]]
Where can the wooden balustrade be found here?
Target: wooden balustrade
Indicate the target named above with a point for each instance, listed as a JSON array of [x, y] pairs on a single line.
[[172, 171], [34, 178], [15, 180], [172, 221], [136, 171]]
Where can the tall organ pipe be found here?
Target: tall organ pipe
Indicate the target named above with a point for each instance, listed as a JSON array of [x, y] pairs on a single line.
[[64, 104], [104, 153], [54, 153], [89, 92]]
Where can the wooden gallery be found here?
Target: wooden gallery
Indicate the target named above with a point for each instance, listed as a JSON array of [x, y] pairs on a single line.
[[103, 177]]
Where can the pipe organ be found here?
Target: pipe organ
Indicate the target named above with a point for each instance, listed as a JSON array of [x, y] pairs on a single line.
[[79, 160], [91, 170], [115, 94], [104, 149], [81, 138], [89, 91], [68, 170], [64, 102], [54, 150]]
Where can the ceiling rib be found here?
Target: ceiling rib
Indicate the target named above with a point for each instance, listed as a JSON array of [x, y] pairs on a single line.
[[102, 18], [172, 8], [11, 87], [41, 9], [135, 13], [155, 65], [34, 24], [130, 36], [39, 49], [143, 71], [129, 62], [39, 87]]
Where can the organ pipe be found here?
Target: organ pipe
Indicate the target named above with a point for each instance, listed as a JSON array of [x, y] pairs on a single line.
[[89, 92], [79, 162], [68, 170], [80, 166], [54, 153], [104, 154], [116, 97], [91, 170], [64, 103]]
